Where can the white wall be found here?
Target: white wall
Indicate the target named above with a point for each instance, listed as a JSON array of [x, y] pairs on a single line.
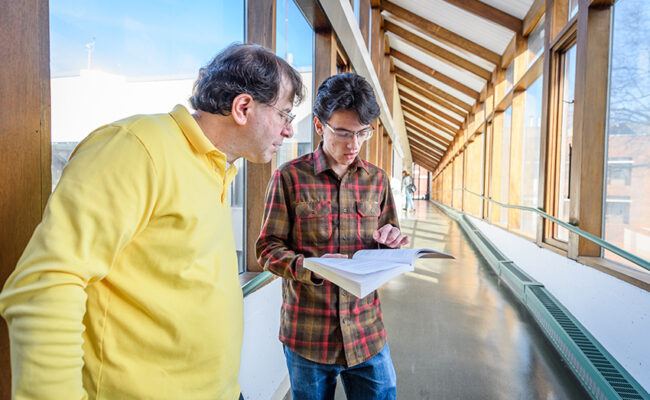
[[263, 373]]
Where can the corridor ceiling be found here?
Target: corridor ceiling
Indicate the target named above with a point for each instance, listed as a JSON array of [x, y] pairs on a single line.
[[444, 53]]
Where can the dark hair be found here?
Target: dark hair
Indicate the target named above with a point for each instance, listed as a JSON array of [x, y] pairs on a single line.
[[346, 91], [243, 68]]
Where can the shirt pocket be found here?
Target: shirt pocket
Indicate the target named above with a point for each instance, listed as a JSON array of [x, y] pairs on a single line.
[[313, 222], [368, 214]]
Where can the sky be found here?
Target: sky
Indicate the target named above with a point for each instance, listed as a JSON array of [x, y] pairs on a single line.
[[161, 38]]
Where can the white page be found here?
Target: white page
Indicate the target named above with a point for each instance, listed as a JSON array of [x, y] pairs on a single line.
[[404, 256], [358, 267]]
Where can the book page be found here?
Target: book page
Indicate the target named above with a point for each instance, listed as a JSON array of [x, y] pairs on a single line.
[[357, 267], [405, 256]]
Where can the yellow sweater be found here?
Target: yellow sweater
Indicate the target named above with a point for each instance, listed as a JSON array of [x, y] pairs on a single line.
[[128, 288]]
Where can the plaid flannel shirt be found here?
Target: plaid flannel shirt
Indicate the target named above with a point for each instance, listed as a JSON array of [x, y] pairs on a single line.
[[309, 212]]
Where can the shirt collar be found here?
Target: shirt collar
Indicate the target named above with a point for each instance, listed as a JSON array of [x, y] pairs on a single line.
[[322, 164], [196, 137]]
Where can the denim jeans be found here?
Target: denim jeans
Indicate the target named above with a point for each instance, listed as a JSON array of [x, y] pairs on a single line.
[[373, 379]]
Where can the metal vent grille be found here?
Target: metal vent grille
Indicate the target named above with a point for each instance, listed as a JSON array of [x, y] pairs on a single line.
[[611, 374]]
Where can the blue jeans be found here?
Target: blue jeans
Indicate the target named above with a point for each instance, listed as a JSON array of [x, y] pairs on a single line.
[[373, 379], [409, 201]]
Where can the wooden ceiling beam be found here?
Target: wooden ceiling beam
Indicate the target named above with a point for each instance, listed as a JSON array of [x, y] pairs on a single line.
[[489, 13], [443, 142], [421, 145], [424, 140], [424, 87], [438, 32], [421, 150], [424, 115], [412, 130], [420, 159], [453, 121], [428, 96], [436, 51], [440, 77]]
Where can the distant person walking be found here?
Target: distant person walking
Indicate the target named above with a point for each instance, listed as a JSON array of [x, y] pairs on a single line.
[[408, 188]]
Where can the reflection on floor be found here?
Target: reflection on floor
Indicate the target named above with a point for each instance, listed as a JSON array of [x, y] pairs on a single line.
[[456, 333]]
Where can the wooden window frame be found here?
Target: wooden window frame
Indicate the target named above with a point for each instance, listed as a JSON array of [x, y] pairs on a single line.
[[565, 41]]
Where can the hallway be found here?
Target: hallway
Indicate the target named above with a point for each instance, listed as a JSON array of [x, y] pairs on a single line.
[[456, 333]]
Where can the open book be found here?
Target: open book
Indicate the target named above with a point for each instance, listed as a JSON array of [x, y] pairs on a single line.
[[368, 269]]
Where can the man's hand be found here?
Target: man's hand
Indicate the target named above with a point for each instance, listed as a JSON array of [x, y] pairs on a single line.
[[390, 236], [328, 255]]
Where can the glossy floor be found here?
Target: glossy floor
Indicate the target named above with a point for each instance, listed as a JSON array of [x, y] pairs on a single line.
[[456, 333]]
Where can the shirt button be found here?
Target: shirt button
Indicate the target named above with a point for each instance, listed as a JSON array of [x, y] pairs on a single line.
[[346, 321], [345, 238], [344, 293], [345, 210]]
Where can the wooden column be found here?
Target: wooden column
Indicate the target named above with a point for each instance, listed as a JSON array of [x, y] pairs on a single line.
[[260, 29], [589, 126], [517, 134], [324, 63], [25, 147], [376, 50]]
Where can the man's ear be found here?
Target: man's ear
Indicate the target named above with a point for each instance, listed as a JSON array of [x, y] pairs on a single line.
[[241, 108], [319, 126]]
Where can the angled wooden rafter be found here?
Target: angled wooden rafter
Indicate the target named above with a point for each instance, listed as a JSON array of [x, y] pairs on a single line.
[[425, 141], [415, 126], [440, 77], [437, 51], [489, 13], [430, 97], [427, 89], [448, 37], [451, 120], [425, 116], [424, 162], [440, 150], [420, 150]]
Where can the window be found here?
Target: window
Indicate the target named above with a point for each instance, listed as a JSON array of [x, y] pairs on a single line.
[[563, 140], [530, 156], [295, 43], [505, 164], [110, 60], [627, 205], [536, 42], [510, 77], [573, 8]]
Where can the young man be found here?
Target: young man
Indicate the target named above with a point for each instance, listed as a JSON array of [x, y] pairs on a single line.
[[128, 288], [330, 203]]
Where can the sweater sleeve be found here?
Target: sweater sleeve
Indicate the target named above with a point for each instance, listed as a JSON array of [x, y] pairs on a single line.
[[104, 198]]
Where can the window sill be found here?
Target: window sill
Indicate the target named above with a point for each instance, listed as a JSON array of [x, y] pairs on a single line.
[[627, 274]]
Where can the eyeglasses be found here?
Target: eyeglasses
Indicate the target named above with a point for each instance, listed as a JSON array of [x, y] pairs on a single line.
[[344, 134], [286, 117]]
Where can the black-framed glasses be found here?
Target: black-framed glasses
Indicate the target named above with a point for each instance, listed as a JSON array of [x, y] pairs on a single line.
[[344, 134], [287, 117]]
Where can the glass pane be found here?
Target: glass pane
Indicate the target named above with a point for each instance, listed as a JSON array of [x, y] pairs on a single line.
[[505, 165], [110, 60], [295, 43], [566, 132], [627, 204], [510, 77], [530, 155], [536, 42], [573, 8]]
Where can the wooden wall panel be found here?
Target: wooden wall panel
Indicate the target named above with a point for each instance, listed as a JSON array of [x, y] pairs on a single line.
[[25, 148], [260, 29]]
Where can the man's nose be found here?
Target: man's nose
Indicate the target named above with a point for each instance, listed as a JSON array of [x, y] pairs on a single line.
[[355, 142], [288, 131]]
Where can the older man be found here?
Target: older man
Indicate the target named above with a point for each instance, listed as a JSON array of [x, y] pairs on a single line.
[[128, 288], [331, 203]]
